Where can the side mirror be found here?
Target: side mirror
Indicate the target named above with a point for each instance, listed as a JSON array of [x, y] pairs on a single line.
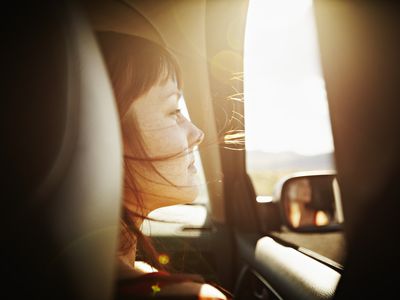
[[310, 202]]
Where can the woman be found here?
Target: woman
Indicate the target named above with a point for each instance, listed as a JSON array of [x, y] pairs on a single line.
[[158, 156]]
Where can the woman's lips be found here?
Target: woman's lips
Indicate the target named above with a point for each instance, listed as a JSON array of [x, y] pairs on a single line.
[[192, 167]]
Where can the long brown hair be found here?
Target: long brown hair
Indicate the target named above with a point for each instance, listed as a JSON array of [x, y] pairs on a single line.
[[135, 65]]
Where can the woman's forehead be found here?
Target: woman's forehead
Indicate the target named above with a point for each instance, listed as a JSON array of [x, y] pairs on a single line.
[[169, 88], [158, 95], [169, 73]]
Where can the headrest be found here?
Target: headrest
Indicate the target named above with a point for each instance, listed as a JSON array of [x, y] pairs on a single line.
[[62, 157]]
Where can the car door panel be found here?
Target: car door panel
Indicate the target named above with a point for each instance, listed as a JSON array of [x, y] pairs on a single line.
[[286, 272]]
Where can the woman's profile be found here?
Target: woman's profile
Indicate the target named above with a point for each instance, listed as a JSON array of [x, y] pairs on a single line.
[[158, 145]]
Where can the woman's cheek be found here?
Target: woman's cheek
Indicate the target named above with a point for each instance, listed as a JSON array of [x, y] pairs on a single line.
[[167, 142], [170, 145], [174, 171]]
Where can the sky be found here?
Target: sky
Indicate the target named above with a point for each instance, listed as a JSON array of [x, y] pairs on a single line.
[[285, 99]]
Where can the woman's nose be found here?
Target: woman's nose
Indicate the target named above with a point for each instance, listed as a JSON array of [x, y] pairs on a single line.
[[195, 135]]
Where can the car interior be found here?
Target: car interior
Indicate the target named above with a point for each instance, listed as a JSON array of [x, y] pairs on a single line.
[[62, 154]]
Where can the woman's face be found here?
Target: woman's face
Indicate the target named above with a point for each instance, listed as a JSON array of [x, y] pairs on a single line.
[[303, 191], [167, 135]]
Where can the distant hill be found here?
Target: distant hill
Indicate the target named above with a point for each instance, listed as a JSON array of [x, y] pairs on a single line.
[[262, 161]]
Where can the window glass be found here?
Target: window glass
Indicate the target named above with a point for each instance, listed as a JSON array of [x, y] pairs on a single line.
[[286, 110]]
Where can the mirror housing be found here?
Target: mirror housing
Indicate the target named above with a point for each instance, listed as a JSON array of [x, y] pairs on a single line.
[[310, 201]]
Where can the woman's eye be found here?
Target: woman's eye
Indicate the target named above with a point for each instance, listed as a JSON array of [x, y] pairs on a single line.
[[177, 114]]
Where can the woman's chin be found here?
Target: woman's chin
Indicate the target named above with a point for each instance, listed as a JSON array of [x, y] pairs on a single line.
[[185, 195]]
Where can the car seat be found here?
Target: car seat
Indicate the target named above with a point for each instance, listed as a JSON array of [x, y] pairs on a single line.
[[61, 157]]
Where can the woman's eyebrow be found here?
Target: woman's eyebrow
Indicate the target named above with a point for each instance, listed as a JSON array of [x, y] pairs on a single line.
[[176, 93]]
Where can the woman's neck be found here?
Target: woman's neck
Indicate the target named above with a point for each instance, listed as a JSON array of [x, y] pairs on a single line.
[[128, 258], [127, 265], [129, 237]]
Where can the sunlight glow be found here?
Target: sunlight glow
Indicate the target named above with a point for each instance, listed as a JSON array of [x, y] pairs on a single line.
[[285, 99], [163, 259]]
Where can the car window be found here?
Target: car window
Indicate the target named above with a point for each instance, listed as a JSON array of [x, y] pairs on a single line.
[[286, 110]]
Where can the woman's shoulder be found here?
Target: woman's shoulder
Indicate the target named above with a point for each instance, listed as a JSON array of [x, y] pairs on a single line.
[[164, 285]]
